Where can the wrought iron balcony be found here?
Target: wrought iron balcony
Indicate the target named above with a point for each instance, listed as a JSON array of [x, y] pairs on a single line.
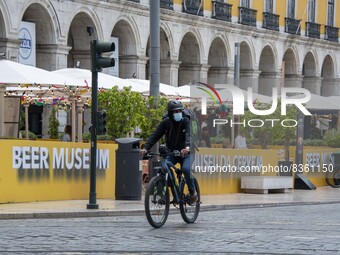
[[271, 21], [292, 26], [167, 4], [222, 11], [313, 30], [193, 7], [136, 1], [247, 16], [332, 33]]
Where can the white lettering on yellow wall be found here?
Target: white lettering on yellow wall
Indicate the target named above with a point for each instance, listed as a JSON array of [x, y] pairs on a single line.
[[30, 157], [62, 158]]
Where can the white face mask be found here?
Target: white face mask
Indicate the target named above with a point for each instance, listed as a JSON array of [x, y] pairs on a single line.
[[177, 116]]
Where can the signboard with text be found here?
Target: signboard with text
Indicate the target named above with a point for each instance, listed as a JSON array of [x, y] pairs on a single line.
[[27, 49]]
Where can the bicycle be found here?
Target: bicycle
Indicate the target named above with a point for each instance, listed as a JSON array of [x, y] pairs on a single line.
[[333, 174], [157, 197]]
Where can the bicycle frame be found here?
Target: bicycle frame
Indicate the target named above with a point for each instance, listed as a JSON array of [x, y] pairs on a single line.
[[167, 166]]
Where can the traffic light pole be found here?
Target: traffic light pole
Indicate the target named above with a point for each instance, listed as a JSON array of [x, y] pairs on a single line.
[[97, 63], [93, 195]]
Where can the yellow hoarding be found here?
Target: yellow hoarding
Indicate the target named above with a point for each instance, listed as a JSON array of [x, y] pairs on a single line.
[[218, 171], [45, 170]]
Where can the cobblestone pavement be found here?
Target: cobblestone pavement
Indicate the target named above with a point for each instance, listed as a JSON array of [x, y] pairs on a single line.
[[312, 229]]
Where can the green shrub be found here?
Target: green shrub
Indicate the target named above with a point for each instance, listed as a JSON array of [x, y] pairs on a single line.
[[332, 138], [218, 139], [314, 142], [31, 135], [53, 124]]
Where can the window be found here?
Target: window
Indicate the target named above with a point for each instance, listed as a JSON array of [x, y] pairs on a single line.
[[269, 6], [330, 15], [291, 9], [245, 3], [311, 11]]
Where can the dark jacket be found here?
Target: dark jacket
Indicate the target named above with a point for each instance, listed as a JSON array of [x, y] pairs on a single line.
[[177, 134]]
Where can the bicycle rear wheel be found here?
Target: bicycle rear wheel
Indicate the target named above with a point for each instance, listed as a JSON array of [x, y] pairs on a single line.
[[157, 202], [333, 178], [189, 211]]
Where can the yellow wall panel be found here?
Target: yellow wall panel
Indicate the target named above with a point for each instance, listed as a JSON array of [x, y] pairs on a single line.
[[207, 5], [28, 172], [281, 9], [223, 180], [302, 12], [236, 4], [321, 12], [259, 6], [337, 13]]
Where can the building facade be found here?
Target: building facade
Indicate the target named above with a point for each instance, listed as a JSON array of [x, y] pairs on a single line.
[[292, 43]]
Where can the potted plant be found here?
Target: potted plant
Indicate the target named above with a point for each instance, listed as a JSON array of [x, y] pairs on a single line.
[[53, 124], [217, 141]]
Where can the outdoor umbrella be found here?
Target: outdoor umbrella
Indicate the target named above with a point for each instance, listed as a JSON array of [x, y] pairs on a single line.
[[14, 74], [105, 81], [163, 88]]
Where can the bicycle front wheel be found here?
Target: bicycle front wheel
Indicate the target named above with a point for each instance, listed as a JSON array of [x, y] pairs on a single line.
[[189, 211], [157, 202]]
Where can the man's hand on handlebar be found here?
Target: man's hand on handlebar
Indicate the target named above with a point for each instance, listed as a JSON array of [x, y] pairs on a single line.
[[143, 152], [185, 152]]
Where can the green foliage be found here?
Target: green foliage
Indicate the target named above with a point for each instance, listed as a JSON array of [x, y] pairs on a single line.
[[124, 110], [53, 124], [31, 135], [22, 120], [314, 142], [218, 139], [332, 138], [268, 134], [152, 115]]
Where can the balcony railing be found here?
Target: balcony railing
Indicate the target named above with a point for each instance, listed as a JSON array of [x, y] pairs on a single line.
[[136, 1], [193, 7], [271, 21], [292, 26], [167, 4], [221, 11], [313, 30], [247, 16], [332, 33]]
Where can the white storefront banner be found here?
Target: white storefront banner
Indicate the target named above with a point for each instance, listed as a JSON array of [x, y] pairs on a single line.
[[27, 52]]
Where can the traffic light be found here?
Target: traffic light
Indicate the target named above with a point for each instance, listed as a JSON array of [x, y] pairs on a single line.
[[101, 123], [98, 61]]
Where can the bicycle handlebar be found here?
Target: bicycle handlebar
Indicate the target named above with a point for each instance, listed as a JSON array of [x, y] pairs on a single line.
[[175, 153]]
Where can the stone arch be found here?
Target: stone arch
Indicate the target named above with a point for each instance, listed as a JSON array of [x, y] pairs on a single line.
[[195, 33], [218, 62], [290, 66], [190, 58], [128, 59], [3, 17], [309, 65], [79, 38], [46, 33], [268, 77], [165, 58], [3, 32], [309, 72], [248, 76], [328, 76]]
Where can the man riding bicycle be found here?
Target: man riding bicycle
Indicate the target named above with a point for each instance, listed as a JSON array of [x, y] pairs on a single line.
[[176, 129]]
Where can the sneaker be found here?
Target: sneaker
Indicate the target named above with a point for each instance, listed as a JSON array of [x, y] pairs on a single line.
[[193, 197]]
